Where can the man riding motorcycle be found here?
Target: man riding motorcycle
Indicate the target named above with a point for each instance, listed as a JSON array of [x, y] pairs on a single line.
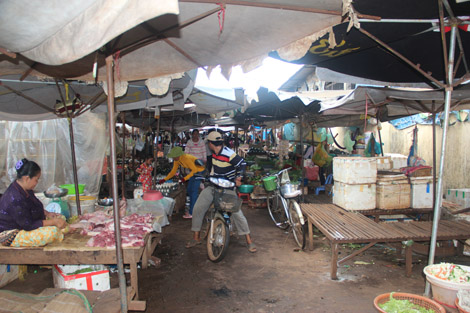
[[224, 163]]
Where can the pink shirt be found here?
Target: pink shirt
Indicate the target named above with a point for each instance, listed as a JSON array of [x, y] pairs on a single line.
[[198, 149]]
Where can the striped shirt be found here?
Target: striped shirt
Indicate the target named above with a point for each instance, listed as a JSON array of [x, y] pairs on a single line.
[[198, 149], [226, 164]]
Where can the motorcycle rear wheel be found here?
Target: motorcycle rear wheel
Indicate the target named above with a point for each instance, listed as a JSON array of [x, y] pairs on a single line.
[[218, 247]]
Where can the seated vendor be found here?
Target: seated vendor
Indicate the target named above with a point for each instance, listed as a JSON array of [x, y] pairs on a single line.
[[194, 177], [23, 220]]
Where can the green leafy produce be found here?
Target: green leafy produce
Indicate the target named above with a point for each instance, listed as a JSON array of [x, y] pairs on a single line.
[[402, 306], [255, 167], [82, 270]]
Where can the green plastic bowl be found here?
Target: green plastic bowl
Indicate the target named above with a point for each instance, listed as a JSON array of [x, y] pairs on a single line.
[[269, 183], [246, 188], [71, 188]]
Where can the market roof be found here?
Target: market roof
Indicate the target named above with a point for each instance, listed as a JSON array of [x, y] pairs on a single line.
[[389, 103], [409, 27], [154, 38]]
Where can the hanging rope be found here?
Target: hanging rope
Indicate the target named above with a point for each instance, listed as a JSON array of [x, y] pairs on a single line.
[[221, 20]]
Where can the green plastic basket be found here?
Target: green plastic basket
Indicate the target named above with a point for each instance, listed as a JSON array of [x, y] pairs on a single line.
[[71, 188], [269, 183]]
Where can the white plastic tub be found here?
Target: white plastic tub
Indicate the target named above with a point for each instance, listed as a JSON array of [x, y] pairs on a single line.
[[87, 204], [355, 170], [354, 197], [443, 291]]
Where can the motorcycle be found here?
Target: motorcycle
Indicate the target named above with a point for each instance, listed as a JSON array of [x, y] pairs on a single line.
[[218, 225]]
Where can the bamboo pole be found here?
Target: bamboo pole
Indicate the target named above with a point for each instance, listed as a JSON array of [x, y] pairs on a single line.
[[123, 175], [133, 151], [74, 167], [72, 149], [117, 227], [155, 161]]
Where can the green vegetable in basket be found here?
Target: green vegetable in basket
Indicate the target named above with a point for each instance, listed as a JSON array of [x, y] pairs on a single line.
[[403, 306], [82, 270]]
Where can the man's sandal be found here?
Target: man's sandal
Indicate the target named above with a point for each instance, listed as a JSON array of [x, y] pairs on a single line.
[[251, 247], [193, 243]]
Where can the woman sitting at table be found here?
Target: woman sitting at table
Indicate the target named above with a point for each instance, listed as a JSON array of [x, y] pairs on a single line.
[[23, 220]]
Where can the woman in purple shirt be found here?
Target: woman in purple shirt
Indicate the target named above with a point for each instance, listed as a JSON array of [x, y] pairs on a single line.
[[23, 220]]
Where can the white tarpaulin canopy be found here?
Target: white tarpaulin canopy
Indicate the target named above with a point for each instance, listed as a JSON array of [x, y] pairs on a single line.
[[45, 94], [155, 38], [397, 102]]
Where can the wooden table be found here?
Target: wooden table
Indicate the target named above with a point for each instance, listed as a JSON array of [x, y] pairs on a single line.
[[73, 250], [340, 226]]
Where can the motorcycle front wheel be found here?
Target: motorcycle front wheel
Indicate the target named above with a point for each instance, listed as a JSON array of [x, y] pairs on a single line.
[[217, 244]]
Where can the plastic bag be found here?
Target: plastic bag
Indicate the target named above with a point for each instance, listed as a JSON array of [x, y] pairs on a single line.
[[321, 157], [139, 144], [285, 178], [372, 148], [348, 142]]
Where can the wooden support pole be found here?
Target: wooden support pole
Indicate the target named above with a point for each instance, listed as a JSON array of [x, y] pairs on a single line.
[[334, 261], [117, 227]]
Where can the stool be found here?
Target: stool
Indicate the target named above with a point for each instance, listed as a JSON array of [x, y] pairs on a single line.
[[245, 197]]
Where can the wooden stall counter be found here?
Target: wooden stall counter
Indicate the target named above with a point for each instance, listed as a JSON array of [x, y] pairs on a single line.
[[73, 250]]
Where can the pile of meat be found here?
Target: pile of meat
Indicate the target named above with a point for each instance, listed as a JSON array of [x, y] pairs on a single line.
[[100, 226]]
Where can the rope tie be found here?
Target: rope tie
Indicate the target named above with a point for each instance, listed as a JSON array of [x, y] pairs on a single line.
[[221, 20]]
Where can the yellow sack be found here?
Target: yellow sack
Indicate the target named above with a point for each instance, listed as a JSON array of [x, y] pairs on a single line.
[[321, 157]]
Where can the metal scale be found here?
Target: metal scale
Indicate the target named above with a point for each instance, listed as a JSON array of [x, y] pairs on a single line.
[[58, 205]]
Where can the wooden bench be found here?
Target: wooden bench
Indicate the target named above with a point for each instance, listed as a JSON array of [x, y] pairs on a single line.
[[340, 226]]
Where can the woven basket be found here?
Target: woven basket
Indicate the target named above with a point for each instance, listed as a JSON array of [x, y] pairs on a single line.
[[419, 300]]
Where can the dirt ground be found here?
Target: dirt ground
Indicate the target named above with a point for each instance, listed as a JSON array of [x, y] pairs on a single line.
[[278, 278]]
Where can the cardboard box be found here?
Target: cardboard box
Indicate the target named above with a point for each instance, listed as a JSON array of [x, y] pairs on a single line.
[[96, 279]]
